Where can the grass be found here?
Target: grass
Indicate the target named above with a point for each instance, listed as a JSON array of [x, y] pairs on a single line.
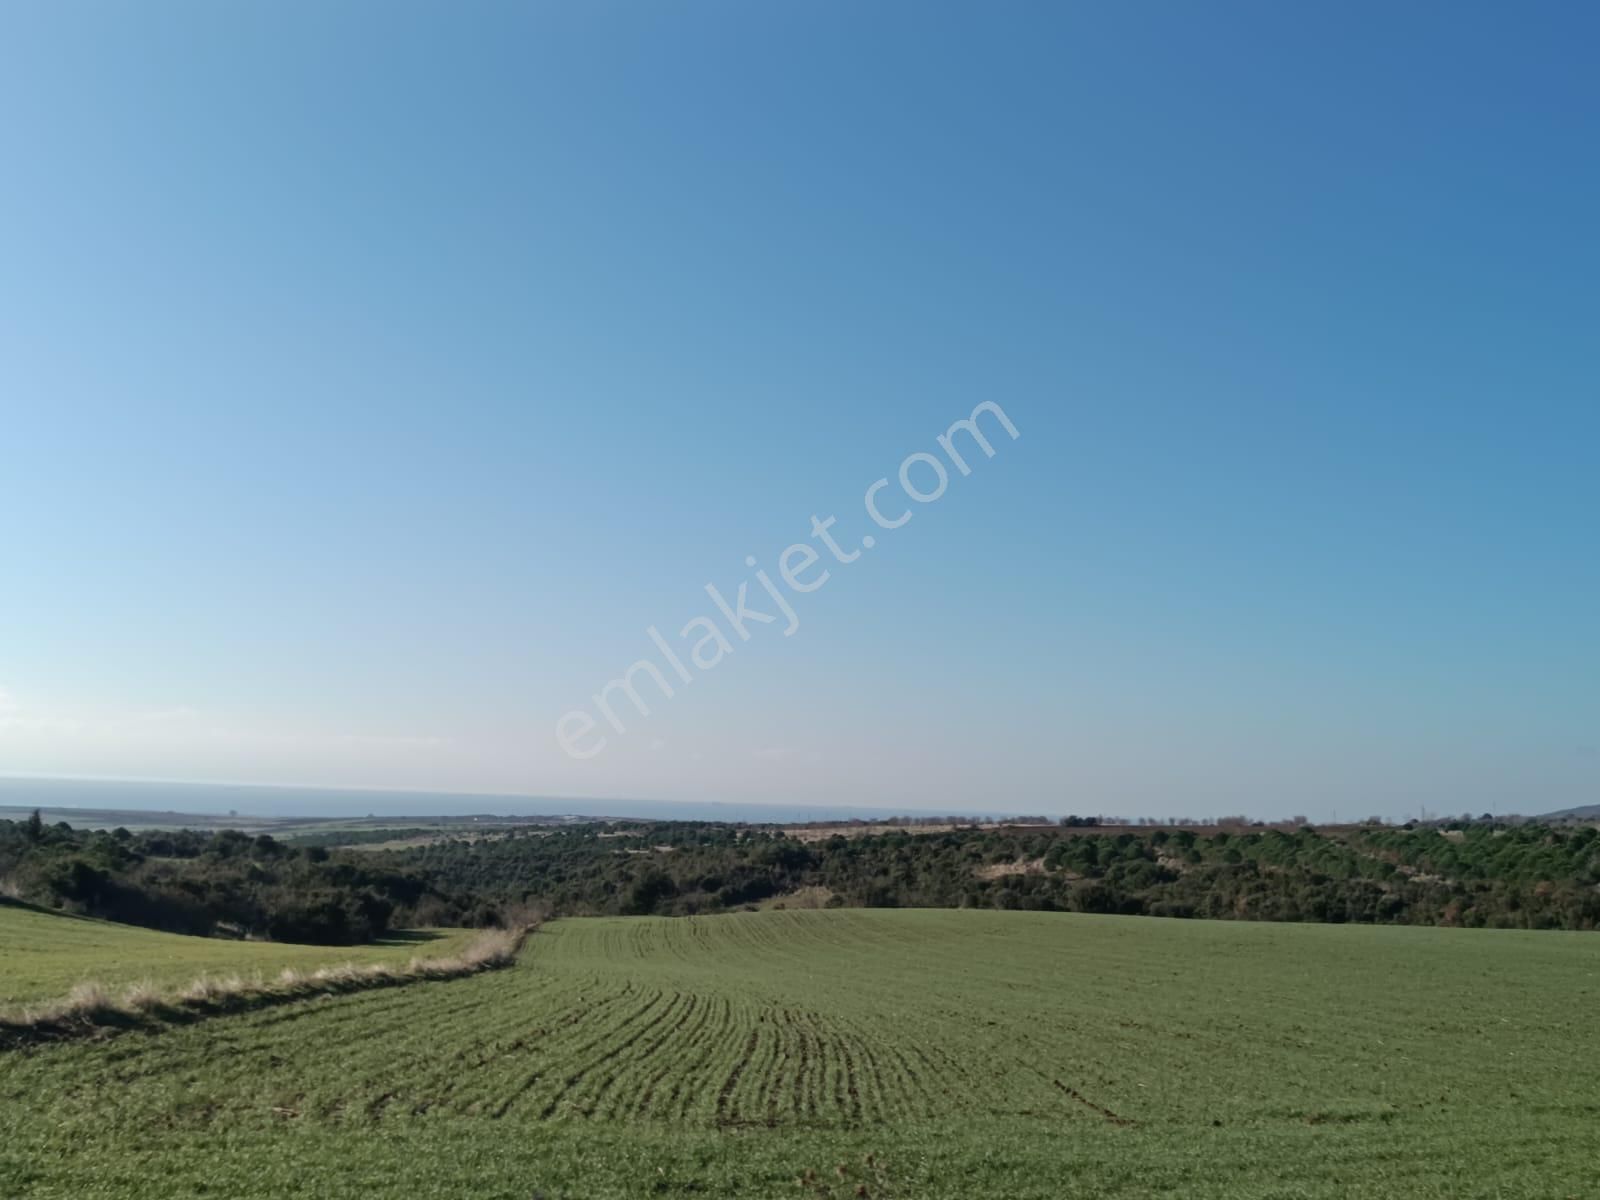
[[43, 955], [865, 1053], [94, 1010]]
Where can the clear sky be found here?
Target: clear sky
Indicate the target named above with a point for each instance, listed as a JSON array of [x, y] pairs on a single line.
[[373, 375]]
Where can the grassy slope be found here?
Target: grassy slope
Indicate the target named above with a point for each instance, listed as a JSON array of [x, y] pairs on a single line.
[[963, 1053], [42, 954]]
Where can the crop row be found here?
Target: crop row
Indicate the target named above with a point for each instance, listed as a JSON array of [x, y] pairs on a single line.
[[835, 1020]]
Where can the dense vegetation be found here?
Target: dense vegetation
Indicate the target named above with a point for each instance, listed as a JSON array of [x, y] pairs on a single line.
[[894, 1055], [1475, 874], [1525, 876], [224, 883]]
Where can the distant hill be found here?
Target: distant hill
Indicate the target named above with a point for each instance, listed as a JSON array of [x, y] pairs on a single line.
[[1586, 812]]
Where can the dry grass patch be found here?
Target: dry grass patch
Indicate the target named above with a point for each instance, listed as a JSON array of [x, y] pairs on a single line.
[[91, 1008], [1032, 866]]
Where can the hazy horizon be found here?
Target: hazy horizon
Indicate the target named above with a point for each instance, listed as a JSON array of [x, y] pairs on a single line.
[[212, 798], [222, 798]]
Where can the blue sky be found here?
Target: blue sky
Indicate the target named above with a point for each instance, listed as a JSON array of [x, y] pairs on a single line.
[[373, 375]]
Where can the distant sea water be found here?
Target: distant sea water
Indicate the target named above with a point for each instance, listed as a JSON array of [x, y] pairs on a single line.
[[207, 799]]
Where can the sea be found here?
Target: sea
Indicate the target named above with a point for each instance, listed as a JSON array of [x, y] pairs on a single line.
[[278, 803]]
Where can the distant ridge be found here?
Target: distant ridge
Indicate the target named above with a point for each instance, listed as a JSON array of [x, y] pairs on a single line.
[[1585, 812]]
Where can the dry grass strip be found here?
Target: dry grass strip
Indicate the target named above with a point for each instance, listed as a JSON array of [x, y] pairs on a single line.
[[94, 1010]]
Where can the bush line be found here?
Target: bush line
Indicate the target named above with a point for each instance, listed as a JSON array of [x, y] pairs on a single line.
[[94, 1010]]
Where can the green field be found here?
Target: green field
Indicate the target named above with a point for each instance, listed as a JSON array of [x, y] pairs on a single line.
[[43, 954], [879, 1053]]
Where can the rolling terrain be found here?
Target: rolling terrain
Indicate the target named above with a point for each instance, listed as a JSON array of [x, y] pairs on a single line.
[[43, 954], [865, 1053]]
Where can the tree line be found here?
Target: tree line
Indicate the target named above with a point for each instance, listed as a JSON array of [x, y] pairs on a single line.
[[1483, 875], [1475, 874], [223, 883]]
